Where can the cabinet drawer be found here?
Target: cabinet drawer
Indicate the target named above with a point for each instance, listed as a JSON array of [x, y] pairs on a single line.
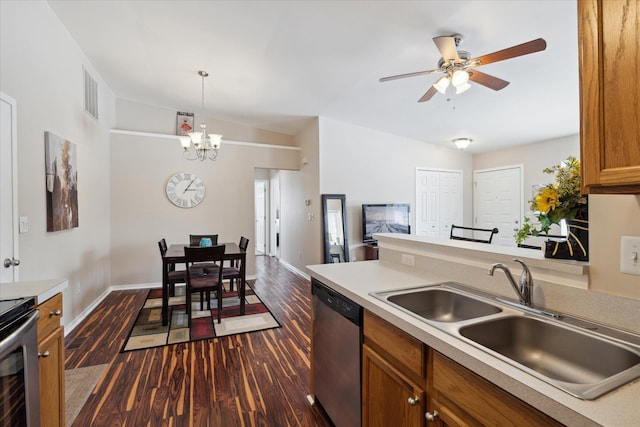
[[50, 314], [396, 343], [484, 401]]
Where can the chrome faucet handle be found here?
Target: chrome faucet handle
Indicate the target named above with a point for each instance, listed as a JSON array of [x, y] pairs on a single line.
[[525, 278], [526, 283]]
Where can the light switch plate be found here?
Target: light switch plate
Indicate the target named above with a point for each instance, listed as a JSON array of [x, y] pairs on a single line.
[[630, 255], [23, 225]]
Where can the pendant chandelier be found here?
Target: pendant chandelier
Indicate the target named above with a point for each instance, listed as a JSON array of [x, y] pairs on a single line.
[[201, 145]]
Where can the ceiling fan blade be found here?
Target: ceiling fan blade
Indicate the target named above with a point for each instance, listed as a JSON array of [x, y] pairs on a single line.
[[487, 80], [511, 52], [447, 47], [428, 95], [402, 76]]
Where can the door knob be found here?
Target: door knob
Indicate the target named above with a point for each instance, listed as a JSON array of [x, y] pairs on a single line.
[[11, 262], [413, 401], [431, 416]]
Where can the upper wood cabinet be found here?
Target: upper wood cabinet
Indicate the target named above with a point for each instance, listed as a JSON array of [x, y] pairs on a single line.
[[609, 48]]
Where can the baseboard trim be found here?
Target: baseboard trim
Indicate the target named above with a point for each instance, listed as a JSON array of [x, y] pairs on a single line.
[[68, 328], [294, 269]]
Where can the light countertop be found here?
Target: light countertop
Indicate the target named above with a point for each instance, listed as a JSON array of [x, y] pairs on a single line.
[[42, 290], [357, 279]]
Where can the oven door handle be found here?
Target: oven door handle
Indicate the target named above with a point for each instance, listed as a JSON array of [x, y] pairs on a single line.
[[16, 336]]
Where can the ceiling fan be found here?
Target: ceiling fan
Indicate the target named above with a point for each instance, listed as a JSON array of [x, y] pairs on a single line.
[[459, 67]]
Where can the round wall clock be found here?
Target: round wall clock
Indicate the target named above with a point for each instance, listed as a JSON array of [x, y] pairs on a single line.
[[185, 190]]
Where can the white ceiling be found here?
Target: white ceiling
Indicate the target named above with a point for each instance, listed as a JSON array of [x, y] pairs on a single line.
[[275, 64]]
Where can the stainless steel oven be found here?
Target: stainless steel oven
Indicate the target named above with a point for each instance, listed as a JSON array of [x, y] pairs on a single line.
[[19, 380]]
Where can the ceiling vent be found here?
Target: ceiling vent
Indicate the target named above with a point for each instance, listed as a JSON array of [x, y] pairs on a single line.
[[90, 94]]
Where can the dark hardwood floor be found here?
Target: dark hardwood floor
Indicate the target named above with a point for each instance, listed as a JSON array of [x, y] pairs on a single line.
[[255, 379]]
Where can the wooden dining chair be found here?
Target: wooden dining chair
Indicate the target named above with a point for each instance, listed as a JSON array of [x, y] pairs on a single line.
[[232, 272], [173, 276], [194, 239], [205, 280]]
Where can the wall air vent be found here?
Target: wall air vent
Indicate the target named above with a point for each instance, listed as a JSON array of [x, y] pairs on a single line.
[[90, 94]]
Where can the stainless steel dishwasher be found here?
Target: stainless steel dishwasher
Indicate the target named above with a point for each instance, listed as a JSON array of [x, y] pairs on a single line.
[[336, 358]]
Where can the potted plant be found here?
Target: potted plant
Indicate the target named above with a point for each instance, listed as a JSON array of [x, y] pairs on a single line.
[[557, 201]]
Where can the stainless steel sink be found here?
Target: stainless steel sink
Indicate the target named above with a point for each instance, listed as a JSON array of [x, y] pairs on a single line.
[[583, 363], [582, 358], [442, 305]]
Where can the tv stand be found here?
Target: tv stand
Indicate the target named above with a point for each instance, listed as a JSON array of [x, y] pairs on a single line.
[[371, 251]]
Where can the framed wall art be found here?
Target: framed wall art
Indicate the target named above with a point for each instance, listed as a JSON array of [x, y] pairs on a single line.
[[184, 123], [61, 178]]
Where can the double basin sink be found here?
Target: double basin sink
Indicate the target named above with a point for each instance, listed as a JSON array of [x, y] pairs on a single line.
[[582, 358]]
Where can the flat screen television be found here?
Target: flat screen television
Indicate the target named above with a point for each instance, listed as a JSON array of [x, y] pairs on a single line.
[[384, 218]]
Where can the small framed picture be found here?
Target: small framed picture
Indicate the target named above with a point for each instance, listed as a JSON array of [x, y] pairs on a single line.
[[184, 123]]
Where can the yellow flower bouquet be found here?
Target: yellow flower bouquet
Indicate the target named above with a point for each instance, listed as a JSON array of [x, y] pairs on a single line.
[[556, 201]]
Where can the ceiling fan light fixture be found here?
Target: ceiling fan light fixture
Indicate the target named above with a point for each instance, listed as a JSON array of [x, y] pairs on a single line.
[[459, 78], [462, 143], [442, 84], [462, 88]]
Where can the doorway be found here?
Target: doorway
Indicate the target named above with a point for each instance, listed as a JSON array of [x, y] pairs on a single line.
[[261, 203], [8, 189], [497, 202]]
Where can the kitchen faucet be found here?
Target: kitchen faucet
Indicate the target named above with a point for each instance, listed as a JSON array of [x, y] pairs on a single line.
[[525, 290]]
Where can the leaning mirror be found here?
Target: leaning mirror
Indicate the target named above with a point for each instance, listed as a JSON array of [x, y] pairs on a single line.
[[336, 247]]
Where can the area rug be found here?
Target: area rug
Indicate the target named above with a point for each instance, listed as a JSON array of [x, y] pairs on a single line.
[[148, 330], [78, 386]]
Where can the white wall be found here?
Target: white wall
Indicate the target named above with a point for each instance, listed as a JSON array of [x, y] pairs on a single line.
[[41, 67], [147, 118], [370, 166], [534, 157], [301, 225], [141, 214]]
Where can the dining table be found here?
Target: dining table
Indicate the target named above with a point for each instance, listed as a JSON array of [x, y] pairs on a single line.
[[175, 255]]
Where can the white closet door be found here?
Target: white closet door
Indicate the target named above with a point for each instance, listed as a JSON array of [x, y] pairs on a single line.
[[438, 202], [498, 202]]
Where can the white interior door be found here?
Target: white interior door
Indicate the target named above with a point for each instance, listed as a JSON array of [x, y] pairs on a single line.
[[8, 190], [274, 210], [497, 202], [427, 203], [261, 216], [438, 201]]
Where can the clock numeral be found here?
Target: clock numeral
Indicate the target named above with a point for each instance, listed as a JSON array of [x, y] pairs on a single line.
[[198, 198], [184, 202]]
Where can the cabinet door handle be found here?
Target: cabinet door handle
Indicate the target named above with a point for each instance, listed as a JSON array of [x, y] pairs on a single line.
[[413, 401], [431, 416], [45, 354], [55, 313]]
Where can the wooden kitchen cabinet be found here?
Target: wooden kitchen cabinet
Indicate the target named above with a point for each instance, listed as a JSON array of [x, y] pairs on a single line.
[[608, 34], [463, 398], [51, 362], [405, 383], [393, 376]]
